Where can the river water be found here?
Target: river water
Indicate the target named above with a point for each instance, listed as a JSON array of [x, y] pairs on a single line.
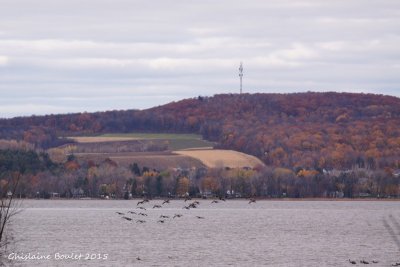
[[231, 233]]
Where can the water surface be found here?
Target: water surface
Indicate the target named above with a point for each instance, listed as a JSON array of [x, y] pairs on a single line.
[[232, 233]]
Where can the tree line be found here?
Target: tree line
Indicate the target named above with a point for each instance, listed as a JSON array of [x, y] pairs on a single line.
[[40, 177]]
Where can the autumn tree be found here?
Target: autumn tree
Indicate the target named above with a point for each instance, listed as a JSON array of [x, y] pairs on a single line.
[[183, 186]]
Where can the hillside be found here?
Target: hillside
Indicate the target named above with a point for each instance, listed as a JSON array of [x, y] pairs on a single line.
[[314, 130], [152, 150]]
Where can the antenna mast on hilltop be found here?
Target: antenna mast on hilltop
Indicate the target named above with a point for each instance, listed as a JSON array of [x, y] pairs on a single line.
[[241, 76]]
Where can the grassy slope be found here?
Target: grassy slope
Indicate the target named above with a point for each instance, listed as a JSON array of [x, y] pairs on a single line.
[[155, 136], [176, 141]]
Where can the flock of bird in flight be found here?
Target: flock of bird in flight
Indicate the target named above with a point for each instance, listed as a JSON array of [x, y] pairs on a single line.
[[163, 218], [192, 205]]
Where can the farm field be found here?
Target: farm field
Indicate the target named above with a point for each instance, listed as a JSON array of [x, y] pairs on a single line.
[[222, 158], [153, 136], [175, 141], [159, 151], [100, 139], [153, 160]]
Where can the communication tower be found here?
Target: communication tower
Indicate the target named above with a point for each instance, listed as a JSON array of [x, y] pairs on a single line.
[[241, 76]]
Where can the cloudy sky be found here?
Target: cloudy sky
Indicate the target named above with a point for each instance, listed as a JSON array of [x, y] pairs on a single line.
[[59, 56]]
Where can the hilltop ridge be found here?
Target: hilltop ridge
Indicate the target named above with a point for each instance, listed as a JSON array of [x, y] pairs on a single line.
[[313, 130]]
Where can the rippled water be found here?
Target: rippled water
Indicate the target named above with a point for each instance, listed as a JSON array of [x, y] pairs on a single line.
[[267, 233]]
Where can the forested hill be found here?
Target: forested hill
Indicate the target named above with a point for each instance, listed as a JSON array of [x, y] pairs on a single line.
[[315, 130]]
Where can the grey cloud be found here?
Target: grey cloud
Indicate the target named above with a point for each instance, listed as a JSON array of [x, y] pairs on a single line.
[[66, 56]]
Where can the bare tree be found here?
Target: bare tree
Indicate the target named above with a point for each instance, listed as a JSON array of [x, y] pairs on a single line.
[[8, 206]]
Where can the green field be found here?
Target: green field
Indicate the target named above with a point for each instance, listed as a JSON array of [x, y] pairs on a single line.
[[176, 141], [155, 136]]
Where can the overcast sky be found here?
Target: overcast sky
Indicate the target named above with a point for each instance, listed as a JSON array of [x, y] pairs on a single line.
[[92, 55]]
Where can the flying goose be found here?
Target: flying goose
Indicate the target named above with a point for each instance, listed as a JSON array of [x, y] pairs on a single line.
[[142, 202], [252, 200], [192, 205]]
